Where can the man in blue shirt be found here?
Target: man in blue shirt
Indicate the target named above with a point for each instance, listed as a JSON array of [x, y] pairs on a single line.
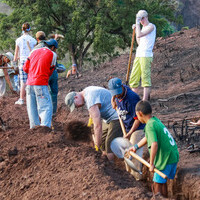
[[125, 100]]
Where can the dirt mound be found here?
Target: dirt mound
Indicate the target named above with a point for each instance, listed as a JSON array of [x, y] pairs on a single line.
[[38, 164]]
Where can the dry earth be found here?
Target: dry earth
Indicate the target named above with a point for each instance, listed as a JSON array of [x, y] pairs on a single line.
[[43, 164]]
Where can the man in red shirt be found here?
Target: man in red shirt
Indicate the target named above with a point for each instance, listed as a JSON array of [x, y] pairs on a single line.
[[39, 67]]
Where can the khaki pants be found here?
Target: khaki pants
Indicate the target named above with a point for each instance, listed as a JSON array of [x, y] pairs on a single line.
[[135, 138], [111, 131]]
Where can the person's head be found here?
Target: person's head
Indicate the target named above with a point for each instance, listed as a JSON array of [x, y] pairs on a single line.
[[74, 100], [115, 87], [52, 44], [8, 57], [26, 27], [143, 110], [143, 15], [40, 35]]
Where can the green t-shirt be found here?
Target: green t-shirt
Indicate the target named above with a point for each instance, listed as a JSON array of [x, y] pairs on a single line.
[[167, 152]]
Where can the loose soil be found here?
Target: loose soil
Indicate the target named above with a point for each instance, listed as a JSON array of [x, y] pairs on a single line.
[[62, 164]]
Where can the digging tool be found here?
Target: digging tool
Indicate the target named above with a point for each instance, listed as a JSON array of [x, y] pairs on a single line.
[[7, 68], [134, 155], [121, 123], [119, 147], [130, 56]]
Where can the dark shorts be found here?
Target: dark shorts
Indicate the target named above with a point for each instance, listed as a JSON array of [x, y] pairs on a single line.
[[111, 131]]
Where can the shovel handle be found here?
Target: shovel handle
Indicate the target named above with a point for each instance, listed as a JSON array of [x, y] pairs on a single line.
[[130, 56], [6, 67], [121, 123], [147, 164]]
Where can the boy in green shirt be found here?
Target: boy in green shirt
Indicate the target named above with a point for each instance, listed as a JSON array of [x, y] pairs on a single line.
[[162, 147]]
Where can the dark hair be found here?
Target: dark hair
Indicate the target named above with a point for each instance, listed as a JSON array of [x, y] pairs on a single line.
[[41, 37], [144, 107], [26, 27]]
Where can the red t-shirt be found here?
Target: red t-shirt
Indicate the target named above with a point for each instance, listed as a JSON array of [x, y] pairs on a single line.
[[39, 66]]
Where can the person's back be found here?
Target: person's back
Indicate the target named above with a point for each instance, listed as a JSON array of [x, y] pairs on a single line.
[[98, 95], [23, 46], [167, 152], [40, 67]]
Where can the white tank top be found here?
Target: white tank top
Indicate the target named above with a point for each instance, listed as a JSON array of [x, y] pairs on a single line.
[[23, 47], [145, 48]]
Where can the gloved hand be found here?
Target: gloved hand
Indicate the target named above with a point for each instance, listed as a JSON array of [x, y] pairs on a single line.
[[90, 122], [96, 148], [133, 26]]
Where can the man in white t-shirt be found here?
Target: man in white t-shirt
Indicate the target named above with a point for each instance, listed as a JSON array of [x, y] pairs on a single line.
[[24, 45], [144, 54]]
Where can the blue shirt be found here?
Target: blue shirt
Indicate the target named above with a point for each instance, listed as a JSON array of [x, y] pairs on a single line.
[[98, 95], [126, 107]]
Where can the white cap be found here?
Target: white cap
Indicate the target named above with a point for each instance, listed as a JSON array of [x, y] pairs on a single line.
[[142, 13], [9, 55]]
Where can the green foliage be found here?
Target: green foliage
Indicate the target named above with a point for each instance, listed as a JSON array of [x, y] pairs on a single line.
[[93, 29]]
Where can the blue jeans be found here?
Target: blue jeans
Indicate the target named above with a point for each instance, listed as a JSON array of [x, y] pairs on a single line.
[[39, 105], [53, 84]]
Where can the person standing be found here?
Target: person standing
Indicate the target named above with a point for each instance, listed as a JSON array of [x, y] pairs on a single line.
[[39, 67], [24, 45], [53, 80], [98, 102], [145, 38]]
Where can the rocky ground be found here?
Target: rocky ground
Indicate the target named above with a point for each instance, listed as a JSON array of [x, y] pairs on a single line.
[[43, 164]]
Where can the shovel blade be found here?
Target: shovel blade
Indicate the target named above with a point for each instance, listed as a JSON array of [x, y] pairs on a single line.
[[131, 165], [119, 145]]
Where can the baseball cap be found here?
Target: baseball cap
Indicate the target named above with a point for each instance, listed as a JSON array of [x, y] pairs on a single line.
[[115, 86], [142, 13], [52, 42], [9, 55], [69, 100], [74, 65]]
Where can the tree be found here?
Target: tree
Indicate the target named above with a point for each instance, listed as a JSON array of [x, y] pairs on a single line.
[[93, 29]]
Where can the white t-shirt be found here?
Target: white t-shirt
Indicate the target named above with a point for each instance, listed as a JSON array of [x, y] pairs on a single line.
[[21, 42], [145, 48]]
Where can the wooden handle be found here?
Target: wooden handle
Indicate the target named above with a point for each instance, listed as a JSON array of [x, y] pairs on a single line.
[[147, 164], [6, 67], [130, 56], [122, 124]]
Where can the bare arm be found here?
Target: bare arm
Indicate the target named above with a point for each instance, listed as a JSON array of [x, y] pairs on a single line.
[[133, 128], [141, 143], [16, 53], [154, 148], [7, 78], [140, 33], [96, 117], [113, 102]]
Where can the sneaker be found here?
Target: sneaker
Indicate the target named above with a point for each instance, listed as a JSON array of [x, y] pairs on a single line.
[[19, 102]]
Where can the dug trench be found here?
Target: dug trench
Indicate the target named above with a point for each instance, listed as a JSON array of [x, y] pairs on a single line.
[[62, 163]]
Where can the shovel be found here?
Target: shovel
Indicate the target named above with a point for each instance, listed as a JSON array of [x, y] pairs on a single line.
[[134, 155], [119, 147], [130, 56]]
